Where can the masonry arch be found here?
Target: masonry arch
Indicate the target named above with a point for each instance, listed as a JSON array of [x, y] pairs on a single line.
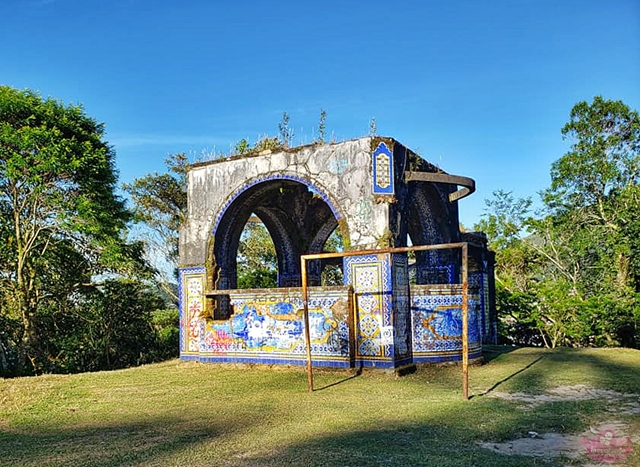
[[298, 216], [430, 221]]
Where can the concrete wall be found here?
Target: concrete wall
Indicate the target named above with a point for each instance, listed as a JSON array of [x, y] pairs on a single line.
[[340, 172], [388, 323]]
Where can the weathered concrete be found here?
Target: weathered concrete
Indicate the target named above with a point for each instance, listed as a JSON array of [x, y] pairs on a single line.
[[378, 193], [340, 171]]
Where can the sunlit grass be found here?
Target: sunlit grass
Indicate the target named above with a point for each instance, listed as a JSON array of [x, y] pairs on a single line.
[[179, 413]]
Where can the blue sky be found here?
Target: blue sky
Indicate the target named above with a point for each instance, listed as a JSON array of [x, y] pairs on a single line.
[[481, 88]]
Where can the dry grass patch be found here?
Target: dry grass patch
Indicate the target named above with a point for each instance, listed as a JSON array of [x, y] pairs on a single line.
[[189, 414]]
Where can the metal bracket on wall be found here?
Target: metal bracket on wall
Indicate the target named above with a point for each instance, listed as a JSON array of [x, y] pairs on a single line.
[[468, 184]]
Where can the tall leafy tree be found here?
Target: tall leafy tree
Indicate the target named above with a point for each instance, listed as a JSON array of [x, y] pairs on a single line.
[[160, 203], [604, 158], [58, 203], [575, 278], [593, 209], [506, 222], [257, 262]]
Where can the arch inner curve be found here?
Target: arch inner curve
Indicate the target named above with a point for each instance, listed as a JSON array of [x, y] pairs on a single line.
[[429, 223], [297, 217]]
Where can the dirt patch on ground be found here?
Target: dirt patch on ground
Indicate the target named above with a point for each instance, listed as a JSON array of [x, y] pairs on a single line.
[[612, 435], [625, 403], [572, 446]]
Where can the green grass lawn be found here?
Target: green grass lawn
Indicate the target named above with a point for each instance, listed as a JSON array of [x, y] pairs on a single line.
[[190, 414]]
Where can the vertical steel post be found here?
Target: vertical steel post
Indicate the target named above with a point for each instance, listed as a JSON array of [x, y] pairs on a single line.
[[465, 323], [465, 298], [307, 335]]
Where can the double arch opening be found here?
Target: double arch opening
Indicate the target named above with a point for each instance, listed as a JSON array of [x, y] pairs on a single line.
[[432, 220], [298, 217]]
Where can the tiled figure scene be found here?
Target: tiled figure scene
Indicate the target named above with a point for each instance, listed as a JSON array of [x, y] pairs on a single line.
[[392, 309]]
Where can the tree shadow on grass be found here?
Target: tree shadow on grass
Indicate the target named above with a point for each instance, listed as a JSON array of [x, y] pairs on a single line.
[[544, 369], [155, 442], [401, 445], [442, 431], [511, 376], [105, 445], [453, 436]]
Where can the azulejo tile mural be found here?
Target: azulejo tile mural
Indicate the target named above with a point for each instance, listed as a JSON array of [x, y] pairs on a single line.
[[192, 300], [370, 276], [436, 315], [266, 326]]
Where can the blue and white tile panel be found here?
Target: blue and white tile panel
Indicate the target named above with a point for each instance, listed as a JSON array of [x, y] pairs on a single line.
[[436, 317]]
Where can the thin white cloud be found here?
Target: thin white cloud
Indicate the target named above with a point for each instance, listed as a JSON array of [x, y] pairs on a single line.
[[134, 141]]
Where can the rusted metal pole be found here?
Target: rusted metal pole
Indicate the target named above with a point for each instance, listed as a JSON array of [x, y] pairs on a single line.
[[465, 297], [307, 334], [465, 323], [401, 249]]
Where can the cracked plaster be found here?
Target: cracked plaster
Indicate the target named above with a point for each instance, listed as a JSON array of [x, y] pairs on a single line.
[[341, 171]]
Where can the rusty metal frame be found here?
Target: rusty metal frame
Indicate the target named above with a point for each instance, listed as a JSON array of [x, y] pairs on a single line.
[[464, 246]]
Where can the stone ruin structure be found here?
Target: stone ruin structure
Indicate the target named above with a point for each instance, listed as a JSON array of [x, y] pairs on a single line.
[[391, 311]]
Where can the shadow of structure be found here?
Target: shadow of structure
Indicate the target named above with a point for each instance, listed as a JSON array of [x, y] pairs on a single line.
[[425, 443], [511, 376], [614, 369], [491, 352], [354, 375]]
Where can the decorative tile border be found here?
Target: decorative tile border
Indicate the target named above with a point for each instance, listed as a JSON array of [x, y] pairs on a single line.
[[382, 166], [191, 300]]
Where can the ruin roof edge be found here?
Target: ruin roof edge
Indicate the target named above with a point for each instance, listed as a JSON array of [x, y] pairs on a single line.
[[294, 149]]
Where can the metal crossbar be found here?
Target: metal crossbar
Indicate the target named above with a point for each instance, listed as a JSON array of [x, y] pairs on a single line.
[[465, 298]]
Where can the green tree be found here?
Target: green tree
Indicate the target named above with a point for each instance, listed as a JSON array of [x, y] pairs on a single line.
[[603, 160], [57, 196], [592, 215], [332, 272], [575, 277], [505, 219], [160, 203], [506, 223], [107, 327], [166, 325], [257, 262]]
